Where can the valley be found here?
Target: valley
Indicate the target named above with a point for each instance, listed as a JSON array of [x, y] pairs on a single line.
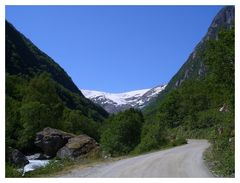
[[48, 115]]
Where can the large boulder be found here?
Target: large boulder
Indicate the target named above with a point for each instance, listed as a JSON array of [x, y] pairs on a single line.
[[15, 157], [77, 147], [51, 140]]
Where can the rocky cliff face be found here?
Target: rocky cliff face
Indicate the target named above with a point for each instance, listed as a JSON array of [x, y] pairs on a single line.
[[224, 19], [193, 67]]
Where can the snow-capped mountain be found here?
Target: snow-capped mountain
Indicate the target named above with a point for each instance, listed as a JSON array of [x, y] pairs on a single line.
[[115, 102]]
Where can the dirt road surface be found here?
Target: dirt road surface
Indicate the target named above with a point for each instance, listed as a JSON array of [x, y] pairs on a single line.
[[182, 161]]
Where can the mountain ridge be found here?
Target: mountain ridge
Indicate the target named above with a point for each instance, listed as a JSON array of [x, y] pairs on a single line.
[[193, 67], [35, 59], [116, 102]]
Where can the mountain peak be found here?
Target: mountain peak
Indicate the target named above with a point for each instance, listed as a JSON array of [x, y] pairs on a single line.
[[115, 102], [224, 19]]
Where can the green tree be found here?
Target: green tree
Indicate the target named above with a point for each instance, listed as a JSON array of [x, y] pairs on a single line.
[[220, 59], [169, 110], [43, 89], [153, 136], [12, 121], [121, 132], [34, 117], [75, 122]]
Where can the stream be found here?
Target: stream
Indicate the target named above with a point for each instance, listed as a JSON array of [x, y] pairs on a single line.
[[33, 164]]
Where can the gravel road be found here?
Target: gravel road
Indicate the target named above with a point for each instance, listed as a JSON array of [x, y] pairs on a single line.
[[181, 161]]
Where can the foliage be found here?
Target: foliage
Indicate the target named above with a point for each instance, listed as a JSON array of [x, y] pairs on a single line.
[[77, 123], [219, 59], [153, 136], [11, 171], [121, 132], [178, 141]]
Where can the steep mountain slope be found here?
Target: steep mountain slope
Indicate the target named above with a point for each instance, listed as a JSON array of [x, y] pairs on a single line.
[[115, 102], [25, 58], [199, 101], [39, 93], [194, 68]]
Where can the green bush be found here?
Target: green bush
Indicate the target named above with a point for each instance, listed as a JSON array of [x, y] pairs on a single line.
[[208, 118], [178, 141], [152, 137]]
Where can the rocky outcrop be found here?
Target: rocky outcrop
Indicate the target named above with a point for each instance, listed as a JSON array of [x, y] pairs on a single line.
[[51, 140], [15, 157], [79, 146], [224, 19]]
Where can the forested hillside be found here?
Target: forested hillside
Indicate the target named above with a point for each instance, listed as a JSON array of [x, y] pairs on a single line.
[[202, 106], [194, 68], [39, 93]]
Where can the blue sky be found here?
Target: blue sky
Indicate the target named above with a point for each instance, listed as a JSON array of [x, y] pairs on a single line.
[[115, 48]]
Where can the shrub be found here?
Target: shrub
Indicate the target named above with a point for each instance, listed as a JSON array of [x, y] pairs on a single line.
[[152, 137], [178, 141]]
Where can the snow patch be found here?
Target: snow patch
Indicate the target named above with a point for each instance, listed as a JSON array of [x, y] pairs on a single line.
[[113, 102], [118, 98]]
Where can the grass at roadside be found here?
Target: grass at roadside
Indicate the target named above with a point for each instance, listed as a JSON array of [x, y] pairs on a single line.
[[174, 143], [11, 171], [220, 161]]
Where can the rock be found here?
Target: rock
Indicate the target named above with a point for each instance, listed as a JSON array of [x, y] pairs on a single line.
[[224, 19], [223, 108], [15, 157], [220, 130], [51, 140], [106, 155], [38, 156], [231, 139], [79, 146]]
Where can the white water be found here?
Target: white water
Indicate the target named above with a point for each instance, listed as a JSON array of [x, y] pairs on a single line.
[[33, 164]]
